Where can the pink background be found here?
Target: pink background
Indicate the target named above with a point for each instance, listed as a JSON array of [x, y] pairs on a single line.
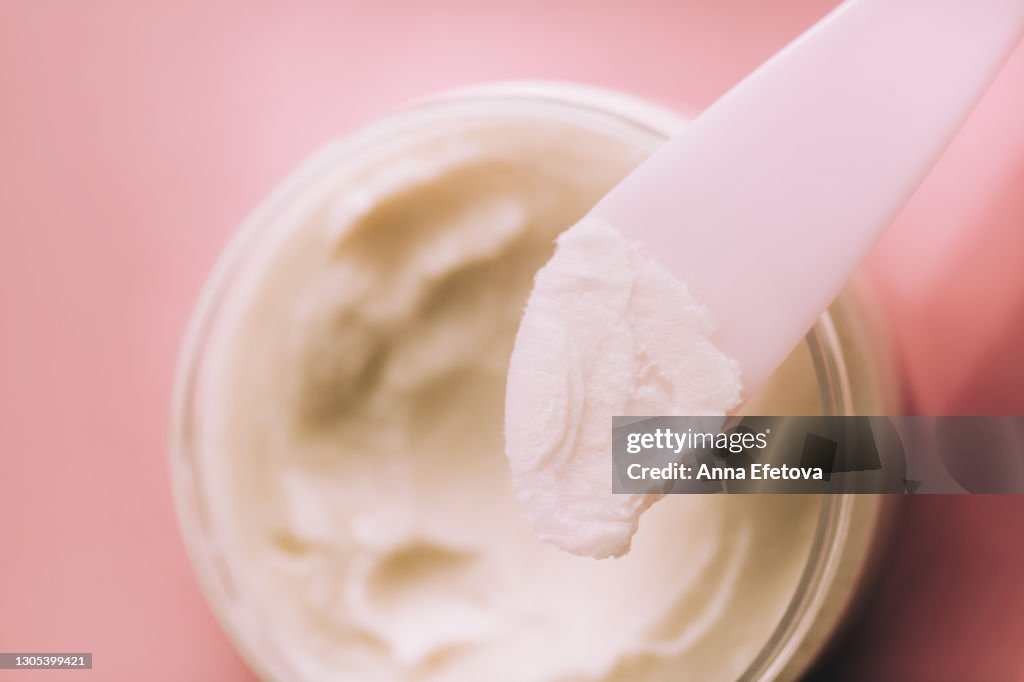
[[135, 136]]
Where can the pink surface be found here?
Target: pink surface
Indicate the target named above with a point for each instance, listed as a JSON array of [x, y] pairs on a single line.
[[135, 136]]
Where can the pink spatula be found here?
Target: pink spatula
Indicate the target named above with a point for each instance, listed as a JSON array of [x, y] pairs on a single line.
[[768, 201], [761, 208]]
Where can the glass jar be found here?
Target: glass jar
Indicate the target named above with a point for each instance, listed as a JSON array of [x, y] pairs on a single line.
[[842, 366]]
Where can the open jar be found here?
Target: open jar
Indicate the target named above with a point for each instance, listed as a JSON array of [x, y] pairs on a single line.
[[337, 427]]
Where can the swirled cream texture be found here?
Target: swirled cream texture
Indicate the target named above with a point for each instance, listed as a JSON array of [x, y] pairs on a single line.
[[357, 485], [607, 331]]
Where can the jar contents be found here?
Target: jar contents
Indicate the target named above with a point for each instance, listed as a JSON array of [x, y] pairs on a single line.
[[360, 492]]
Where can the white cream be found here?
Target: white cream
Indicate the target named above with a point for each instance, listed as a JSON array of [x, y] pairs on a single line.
[[607, 331], [358, 487]]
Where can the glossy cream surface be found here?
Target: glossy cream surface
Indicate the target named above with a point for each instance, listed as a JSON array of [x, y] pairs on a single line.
[[358, 491]]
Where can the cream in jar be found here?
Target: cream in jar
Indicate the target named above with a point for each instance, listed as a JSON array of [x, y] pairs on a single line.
[[364, 502]]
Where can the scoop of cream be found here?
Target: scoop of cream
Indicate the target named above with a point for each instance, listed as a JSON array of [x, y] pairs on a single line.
[[607, 331]]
